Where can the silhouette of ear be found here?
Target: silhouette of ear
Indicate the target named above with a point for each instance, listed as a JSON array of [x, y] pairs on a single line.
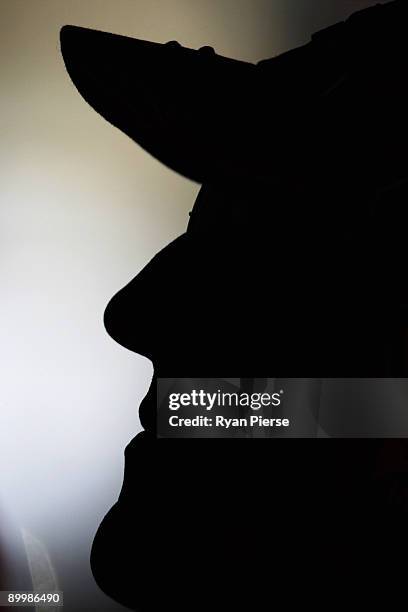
[[171, 100]]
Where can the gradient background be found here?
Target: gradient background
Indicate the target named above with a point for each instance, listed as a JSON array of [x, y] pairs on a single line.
[[82, 210]]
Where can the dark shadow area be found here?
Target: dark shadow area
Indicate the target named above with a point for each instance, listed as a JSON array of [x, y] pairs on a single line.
[[293, 265]]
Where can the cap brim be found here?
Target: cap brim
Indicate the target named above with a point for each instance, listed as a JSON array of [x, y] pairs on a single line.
[[144, 89]]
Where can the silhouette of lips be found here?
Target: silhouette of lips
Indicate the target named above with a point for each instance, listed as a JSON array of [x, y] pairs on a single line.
[[177, 103]]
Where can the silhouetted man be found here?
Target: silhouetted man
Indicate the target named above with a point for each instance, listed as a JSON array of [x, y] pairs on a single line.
[[292, 265]]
